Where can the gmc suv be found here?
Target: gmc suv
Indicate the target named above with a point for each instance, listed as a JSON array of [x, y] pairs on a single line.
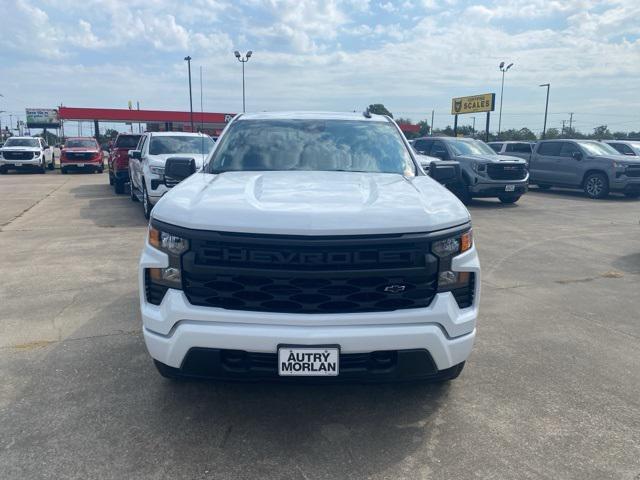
[[26, 153], [309, 244], [592, 166], [484, 173]]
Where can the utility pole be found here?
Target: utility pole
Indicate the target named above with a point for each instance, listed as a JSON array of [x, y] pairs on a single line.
[[504, 70], [570, 121], [201, 109], [473, 129], [433, 112], [188, 60], [546, 109], [562, 134]]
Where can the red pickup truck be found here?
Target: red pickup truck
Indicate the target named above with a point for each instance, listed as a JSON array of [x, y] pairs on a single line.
[[119, 160], [81, 153]]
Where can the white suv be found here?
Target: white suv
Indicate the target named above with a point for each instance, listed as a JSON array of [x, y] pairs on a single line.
[[311, 244], [146, 163], [26, 152]]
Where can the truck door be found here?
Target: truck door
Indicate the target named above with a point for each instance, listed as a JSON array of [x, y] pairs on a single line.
[[543, 163], [571, 170]]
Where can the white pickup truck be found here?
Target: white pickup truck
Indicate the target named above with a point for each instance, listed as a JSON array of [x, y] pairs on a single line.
[[309, 245]]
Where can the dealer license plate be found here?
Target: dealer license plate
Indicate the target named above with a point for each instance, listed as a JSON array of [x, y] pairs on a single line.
[[509, 188], [308, 361], [80, 164]]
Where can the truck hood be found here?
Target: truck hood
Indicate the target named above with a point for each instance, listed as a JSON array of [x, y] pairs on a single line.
[[491, 159], [311, 203], [160, 160]]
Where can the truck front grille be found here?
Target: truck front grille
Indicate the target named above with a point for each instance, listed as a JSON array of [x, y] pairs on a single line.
[[17, 155], [79, 155], [506, 171], [286, 274]]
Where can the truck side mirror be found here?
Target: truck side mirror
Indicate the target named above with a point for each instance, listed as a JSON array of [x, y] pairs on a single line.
[[179, 168], [577, 156], [135, 154], [445, 172]]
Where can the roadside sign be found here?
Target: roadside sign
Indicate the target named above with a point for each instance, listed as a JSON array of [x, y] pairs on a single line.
[[42, 118], [473, 104]]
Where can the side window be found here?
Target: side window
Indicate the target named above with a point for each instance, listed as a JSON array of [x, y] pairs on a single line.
[[439, 150], [522, 147], [622, 148], [511, 147], [549, 148], [423, 146], [497, 147], [568, 149], [141, 143]]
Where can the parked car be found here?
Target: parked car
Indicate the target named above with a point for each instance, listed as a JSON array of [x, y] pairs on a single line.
[[81, 154], [118, 161], [625, 147], [311, 244], [146, 163], [484, 173], [595, 167], [26, 153], [513, 148]]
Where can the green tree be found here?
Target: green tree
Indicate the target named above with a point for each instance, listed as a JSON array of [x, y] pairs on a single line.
[[602, 133], [552, 133], [620, 135], [379, 109], [424, 128]]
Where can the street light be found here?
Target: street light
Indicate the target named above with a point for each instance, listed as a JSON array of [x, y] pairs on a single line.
[[243, 60], [546, 108], [504, 70], [188, 60], [473, 129]]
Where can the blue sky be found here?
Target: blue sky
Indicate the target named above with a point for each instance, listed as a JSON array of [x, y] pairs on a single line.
[[411, 55]]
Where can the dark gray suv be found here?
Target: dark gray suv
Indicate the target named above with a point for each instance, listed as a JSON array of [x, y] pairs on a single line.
[[484, 173], [593, 166]]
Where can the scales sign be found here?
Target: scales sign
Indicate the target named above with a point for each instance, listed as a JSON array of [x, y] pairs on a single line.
[[42, 118], [473, 104]]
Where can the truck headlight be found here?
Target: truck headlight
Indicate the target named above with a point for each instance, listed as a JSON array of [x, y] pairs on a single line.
[[174, 246], [157, 170], [445, 250], [479, 167]]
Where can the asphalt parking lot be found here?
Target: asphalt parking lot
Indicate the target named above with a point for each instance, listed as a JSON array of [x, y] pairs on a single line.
[[550, 391]]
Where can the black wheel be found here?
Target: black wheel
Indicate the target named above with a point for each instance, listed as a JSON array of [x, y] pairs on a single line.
[[509, 198], [99, 169], [146, 203], [450, 373], [167, 371], [596, 185], [63, 170], [632, 194], [132, 193], [542, 186], [118, 186], [111, 180], [52, 165], [43, 166], [3, 170]]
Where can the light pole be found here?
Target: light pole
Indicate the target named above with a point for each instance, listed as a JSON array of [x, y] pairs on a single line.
[[546, 109], [188, 60], [243, 60], [473, 129], [504, 70]]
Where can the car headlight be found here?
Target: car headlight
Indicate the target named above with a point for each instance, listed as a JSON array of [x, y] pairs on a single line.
[[36, 154], [479, 167], [618, 165], [174, 246], [446, 249], [157, 170]]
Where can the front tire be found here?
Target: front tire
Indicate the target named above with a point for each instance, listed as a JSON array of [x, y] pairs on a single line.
[[146, 203], [43, 166], [118, 186], [52, 165], [63, 170], [509, 199], [3, 170], [596, 186]]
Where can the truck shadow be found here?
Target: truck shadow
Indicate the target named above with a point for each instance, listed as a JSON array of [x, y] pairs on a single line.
[[99, 396], [107, 209], [577, 194]]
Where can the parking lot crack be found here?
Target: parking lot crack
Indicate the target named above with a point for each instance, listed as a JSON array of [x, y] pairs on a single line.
[[21, 214]]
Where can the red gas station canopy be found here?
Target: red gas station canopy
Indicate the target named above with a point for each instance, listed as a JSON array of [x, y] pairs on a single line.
[[124, 115]]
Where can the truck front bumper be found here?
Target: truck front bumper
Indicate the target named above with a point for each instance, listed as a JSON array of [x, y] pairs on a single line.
[[625, 184], [497, 189], [175, 328], [31, 163]]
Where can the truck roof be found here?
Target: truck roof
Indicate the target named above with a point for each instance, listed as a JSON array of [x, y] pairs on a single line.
[[297, 115]]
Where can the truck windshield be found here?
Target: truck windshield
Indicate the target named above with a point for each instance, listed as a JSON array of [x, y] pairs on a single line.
[[81, 144], [470, 147], [598, 149], [165, 144], [127, 141], [312, 145], [22, 142]]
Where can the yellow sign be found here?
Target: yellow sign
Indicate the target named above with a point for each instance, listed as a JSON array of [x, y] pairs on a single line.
[[473, 104]]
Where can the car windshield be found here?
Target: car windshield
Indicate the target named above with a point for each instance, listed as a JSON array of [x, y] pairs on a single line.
[[81, 143], [165, 144], [22, 142], [470, 147], [312, 145], [597, 148], [127, 141]]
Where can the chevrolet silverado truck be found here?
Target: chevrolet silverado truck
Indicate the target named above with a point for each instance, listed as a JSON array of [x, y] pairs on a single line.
[[146, 163], [309, 245], [20, 153], [594, 167], [118, 160], [484, 172]]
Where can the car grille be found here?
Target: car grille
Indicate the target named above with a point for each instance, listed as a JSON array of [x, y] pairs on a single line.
[[79, 155], [285, 274], [633, 171], [17, 155], [506, 171]]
